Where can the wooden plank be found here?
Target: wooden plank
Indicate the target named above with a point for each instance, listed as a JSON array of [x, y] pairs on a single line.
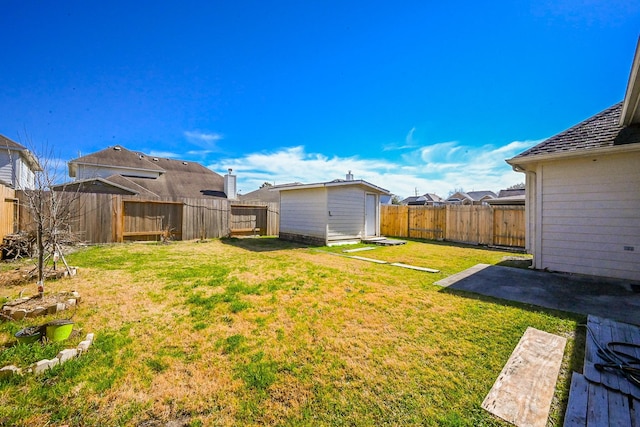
[[523, 392], [413, 267], [597, 406], [361, 258], [635, 413], [619, 415], [576, 414], [606, 336], [590, 354]]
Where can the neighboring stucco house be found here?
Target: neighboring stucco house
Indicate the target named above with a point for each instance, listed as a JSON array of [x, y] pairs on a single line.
[[116, 170], [330, 213], [427, 199], [17, 165], [471, 197], [583, 193]]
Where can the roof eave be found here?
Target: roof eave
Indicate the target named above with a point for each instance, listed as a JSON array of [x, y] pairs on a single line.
[[631, 105], [518, 163], [32, 161], [101, 180], [330, 184]]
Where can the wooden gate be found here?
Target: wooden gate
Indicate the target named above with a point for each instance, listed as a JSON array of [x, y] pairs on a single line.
[[150, 220], [508, 226], [248, 220]]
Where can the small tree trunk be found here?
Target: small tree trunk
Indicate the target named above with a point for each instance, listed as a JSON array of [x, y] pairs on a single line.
[[40, 243]]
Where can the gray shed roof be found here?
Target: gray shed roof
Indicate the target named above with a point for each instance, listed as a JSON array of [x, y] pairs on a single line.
[[334, 183]]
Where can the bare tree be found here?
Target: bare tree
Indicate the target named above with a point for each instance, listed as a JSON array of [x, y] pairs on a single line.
[[51, 210]]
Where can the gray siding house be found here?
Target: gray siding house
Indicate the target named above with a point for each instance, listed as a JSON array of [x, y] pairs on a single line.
[[17, 165]]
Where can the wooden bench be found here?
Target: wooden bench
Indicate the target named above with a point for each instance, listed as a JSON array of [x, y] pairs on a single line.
[[245, 231]]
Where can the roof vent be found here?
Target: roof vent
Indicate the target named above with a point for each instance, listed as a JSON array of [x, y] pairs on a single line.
[[117, 148], [155, 159], [349, 176]]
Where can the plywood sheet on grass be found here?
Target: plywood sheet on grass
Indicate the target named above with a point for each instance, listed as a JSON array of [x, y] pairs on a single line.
[[523, 392]]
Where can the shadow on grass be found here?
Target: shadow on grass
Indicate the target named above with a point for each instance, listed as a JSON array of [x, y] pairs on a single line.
[[262, 244]]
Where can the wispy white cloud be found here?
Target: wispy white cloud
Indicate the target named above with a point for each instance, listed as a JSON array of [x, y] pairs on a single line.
[[438, 168], [201, 136], [409, 142], [164, 154]]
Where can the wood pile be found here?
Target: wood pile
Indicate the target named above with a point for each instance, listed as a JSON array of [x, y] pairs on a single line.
[[19, 245]]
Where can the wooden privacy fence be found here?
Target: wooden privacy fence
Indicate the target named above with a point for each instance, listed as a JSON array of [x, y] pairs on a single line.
[[475, 224], [108, 218]]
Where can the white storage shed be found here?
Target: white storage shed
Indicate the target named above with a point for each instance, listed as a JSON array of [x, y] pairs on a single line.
[[330, 213]]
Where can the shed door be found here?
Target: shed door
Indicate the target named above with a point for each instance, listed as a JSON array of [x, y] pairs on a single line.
[[370, 215]]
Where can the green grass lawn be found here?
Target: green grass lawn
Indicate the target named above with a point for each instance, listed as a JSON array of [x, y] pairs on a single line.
[[263, 332]]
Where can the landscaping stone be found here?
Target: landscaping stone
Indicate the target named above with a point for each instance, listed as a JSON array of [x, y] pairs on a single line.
[[19, 314], [44, 364], [76, 295], [36, 312], [9, 371], [67, 354], [84, 346], [30, 307]]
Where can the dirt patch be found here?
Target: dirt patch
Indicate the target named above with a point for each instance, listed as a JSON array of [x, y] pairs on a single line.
[[17, 276]]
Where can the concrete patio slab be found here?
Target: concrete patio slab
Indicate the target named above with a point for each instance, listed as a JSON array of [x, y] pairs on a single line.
[[613, 299]]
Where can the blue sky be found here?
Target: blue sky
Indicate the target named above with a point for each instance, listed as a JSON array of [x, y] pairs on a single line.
[[409, 95]]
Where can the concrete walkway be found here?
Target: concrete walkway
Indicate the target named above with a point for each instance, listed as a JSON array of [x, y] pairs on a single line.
[[613, 299]]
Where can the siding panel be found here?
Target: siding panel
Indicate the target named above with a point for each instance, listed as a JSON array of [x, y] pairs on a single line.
[[304, 212], [590, 214], [346, 206]]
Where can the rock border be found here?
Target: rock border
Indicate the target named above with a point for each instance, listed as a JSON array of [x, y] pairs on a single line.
[[10, 311], [45, 364]]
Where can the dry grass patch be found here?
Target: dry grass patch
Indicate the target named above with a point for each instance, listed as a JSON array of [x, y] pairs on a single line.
[[262, 332]]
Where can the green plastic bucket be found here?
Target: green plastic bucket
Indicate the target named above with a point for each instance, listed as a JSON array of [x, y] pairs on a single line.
[[58, 330], [28, 335]]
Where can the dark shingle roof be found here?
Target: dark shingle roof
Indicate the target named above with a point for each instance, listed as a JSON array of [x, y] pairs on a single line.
[[478, 195], [422, 200], [510, 192], [263, 194], [176, 179], [182, 179], [119, 156], [600, 131]]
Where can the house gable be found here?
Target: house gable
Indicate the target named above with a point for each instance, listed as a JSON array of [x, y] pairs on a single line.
[[17, 164]]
